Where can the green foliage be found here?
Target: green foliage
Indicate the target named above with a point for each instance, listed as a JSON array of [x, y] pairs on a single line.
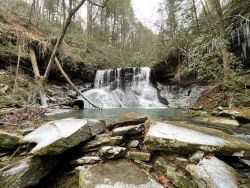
[[242, 100], [207, 64], [236, 7]]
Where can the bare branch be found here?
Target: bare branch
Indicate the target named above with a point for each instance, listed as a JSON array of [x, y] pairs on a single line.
[[102, 6], [59, 41]]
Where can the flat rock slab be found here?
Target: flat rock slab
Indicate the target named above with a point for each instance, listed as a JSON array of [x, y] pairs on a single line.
[[56, 137], [128, 130], [127, 119], [25, 173], [116, 174], [9, 140], [179, 137], [216, 121], [102, 140], [210, 172]]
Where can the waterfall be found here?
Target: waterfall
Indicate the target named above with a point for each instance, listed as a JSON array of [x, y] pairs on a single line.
[[132, 87], [124, 87]]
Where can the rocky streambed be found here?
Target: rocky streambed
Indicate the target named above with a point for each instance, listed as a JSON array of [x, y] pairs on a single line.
[[131, 152]]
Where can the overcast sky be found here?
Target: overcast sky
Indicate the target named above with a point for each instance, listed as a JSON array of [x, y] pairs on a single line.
[[146, 11]]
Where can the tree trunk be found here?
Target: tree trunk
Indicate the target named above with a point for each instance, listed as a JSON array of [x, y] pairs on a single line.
[[218, 12], [17, 67], [195, 11], [38, 78], [89, 25], [71, 83]]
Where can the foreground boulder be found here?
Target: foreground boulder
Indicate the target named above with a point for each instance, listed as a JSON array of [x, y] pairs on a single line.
[[179, 137], [118, 173], [9, 140], [210, 172], [56, 137], [27, 172]]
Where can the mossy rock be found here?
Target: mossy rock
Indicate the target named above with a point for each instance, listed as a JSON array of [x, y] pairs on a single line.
[[178, 176], [9, 140]]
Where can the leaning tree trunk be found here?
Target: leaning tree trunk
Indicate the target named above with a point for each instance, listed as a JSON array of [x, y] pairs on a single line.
[[71, 83]]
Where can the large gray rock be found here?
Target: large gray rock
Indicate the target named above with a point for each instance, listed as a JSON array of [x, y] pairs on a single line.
[[112, 152], [27, 172], [128, 130], [210, 172], [179, 137], [9, 140], [102, 140], [118, 173], [56, 137]]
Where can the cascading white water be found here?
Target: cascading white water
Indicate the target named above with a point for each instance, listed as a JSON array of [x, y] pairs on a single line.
[[124, 87]]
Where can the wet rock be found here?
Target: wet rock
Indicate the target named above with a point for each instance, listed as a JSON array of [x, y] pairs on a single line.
[[224, 122], [139, 156], [210, 172], [56, 137], [196, 157], [27, 172], [86, 160], [133, 143], [9, 140], [112, 152], [128, 130], [241, 114], [176, 175], [102, 140], [118, 173], [127, 120], [181, 137]]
